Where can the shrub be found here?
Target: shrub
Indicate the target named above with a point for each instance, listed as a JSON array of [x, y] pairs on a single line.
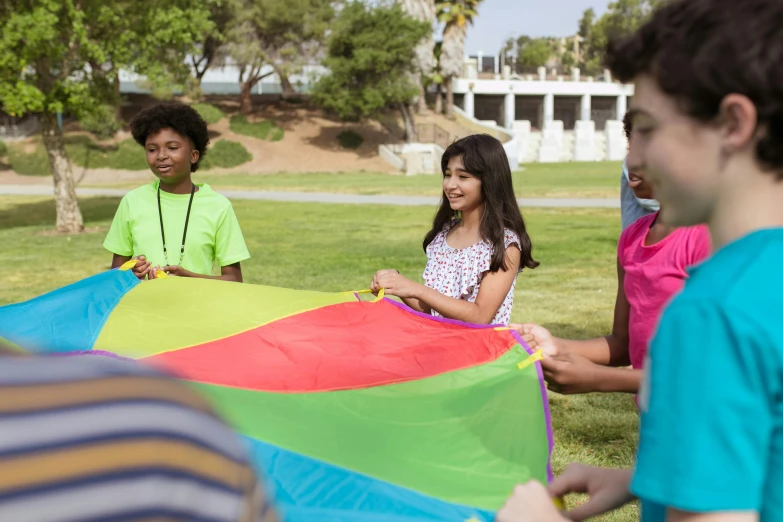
[[210, 113], [226, 154], [263, 130], [3, 148], [350, 139]]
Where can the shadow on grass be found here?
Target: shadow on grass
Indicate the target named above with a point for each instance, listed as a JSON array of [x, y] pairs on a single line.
[[43, 214]]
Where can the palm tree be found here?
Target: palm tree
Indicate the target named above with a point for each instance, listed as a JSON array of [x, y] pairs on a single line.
[[423, 10], [457, 15]]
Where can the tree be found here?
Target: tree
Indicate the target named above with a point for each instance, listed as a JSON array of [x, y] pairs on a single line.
[[221, 14], [535, 53], [457, 15], [424, 11], [586, 23], [437, 80], [277, 35], [370, 58], [64, 56], [621, 18]]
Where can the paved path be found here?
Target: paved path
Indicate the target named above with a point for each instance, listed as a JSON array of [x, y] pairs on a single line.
[[324, 197]]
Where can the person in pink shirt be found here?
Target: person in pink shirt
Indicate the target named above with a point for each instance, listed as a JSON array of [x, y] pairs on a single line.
[[652, 262]]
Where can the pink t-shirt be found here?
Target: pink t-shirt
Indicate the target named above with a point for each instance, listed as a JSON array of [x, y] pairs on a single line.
[[654, 274]]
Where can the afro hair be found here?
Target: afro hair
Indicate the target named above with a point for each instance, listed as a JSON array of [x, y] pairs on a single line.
[[179, 117], [627, 125]]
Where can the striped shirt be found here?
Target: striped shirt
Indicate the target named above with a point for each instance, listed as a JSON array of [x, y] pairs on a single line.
[[89, 438]]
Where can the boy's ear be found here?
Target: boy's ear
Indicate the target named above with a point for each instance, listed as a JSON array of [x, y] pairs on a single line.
[[739, 118], [194, 154]]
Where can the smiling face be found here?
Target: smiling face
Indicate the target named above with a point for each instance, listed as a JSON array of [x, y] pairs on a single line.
[[678, 156], [462, 188], [170, 155], [637, 183]]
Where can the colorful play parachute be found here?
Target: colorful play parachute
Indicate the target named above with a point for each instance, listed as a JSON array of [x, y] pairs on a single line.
[[353, 409]]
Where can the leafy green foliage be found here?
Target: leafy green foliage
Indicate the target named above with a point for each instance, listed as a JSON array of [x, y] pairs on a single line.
[[63, 56], [3, 148], [226, 154], [210, 113], [370, 59], [102, 122], [621, 18], [350, 139], [285, 34], [263, 130], [535, 53]]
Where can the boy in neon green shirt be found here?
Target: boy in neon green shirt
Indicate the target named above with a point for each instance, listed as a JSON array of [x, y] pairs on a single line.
[[174, 225]]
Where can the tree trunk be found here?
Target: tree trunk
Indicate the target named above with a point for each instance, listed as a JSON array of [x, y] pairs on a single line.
[[449, 99], [69, 217], [439, 100], [285, 84], [246, 105], [410, 127], [421, 107]]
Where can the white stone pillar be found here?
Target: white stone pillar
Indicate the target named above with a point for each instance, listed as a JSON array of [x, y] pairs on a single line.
[[542, 73], [497, 65], [509, 111], [622, 106], [469, 102], [585, 108], [506, 72], [575, 74], [549, 107], [480, 57]]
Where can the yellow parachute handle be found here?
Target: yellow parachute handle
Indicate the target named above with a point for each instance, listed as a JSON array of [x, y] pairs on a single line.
[[367, 291], [128, 265], [538, 355]]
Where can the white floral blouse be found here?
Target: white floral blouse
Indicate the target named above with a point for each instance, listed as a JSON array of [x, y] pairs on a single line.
[[458, 272]]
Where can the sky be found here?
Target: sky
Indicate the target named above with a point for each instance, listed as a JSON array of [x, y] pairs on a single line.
[[499, 20]]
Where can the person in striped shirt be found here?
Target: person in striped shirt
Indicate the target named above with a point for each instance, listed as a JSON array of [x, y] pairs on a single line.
[[89, 438]]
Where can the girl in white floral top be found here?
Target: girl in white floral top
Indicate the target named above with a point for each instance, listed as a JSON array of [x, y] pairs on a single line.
[[478, 242]]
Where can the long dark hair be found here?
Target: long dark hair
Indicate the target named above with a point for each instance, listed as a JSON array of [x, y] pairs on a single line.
[[484, 157]]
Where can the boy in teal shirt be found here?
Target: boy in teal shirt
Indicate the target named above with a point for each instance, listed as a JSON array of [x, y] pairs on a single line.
[[174, 225], [708, 133]]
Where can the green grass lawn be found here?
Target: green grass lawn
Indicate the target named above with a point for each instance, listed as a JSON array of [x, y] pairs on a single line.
[[587, 180], [553, 180], [339, 247]]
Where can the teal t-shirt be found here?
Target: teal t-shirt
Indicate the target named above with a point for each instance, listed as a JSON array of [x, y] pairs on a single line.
[[712, 417], [213, 234]]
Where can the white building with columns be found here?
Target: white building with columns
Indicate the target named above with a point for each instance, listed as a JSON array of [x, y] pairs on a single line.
[[554, 117]]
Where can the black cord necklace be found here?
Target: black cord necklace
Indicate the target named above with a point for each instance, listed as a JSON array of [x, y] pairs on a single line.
[[184, 232]]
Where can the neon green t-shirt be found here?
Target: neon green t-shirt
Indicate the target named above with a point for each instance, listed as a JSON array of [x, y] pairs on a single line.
[[213, 230]]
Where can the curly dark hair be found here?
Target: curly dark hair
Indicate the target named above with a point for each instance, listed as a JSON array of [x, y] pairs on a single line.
[[179, 117], [627, 125], [699, 51], [484, 157]]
